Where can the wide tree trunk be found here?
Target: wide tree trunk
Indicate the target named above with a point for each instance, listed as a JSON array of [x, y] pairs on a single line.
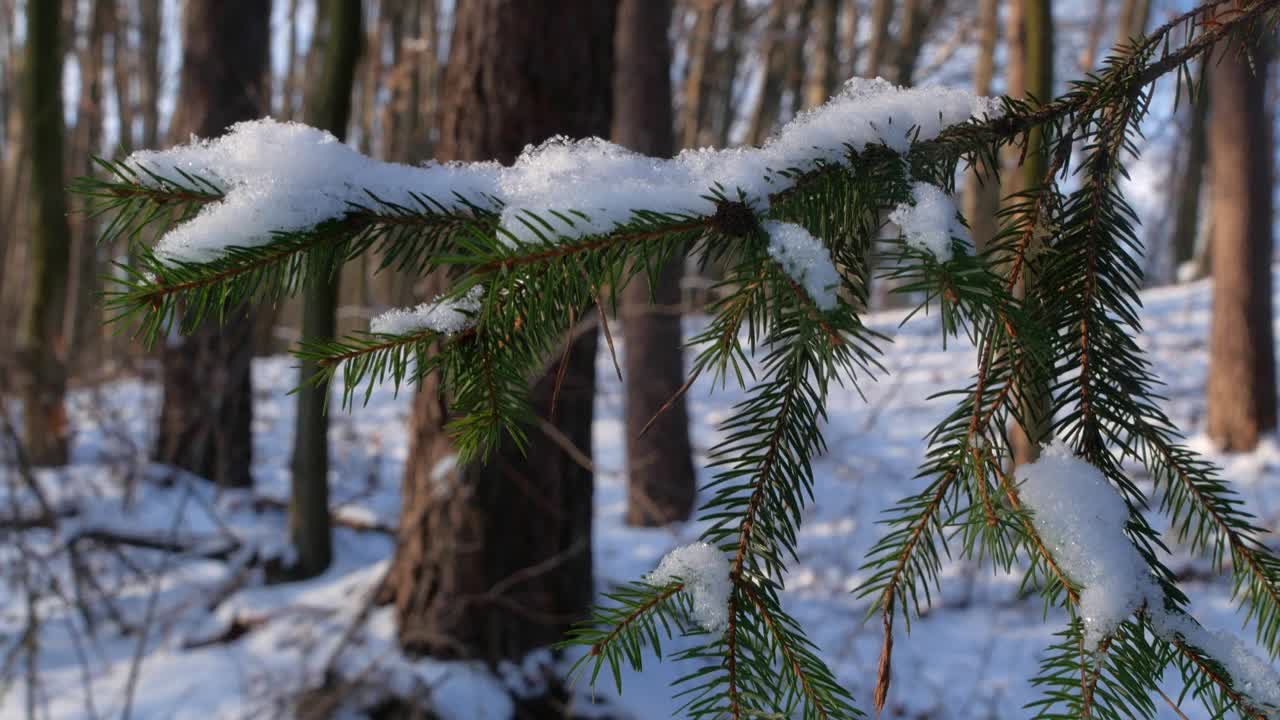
[[43, 339], [1242, 376], [328, 108], [206, 412], [494, 559], [661, 485]]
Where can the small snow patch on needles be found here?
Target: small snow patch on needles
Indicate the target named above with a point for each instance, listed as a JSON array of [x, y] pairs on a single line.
[[446, 317], [1250, 675], [281, 177], [705, 573], [289, 177], [806, 260], [929, 220], [1081, 519]]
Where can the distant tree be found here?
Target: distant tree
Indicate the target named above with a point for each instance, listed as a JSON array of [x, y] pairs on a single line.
[[1241, 391], [44, 344], [1037, 48], [881, 41], [328, 106], [1189, 182], [824, 70], [661, 485], [206, 410], [982, 186]]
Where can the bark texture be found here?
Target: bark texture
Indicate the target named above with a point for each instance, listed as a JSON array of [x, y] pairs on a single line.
[[494, 560], [206, 413], [43, 340], [661, 485], [1242, 375]]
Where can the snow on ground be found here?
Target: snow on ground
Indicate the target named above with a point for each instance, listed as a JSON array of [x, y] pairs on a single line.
[[970, 656]]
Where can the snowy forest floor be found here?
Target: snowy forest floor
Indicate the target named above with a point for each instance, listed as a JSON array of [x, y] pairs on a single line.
[[197, 634]]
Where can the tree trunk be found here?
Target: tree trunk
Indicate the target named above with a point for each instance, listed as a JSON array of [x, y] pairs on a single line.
[[149, 81], [848, 43], [82, 319], [793, 87], [1190, 182], [1241, 391], [826, 63], [123, 72], [206, 412], [697, 79], [773, 52], [982, 188], [878, 49], [494, 559], [43, 341], [1037, 44], [721, 116], [328, 108], [915, 28], [661, 485]]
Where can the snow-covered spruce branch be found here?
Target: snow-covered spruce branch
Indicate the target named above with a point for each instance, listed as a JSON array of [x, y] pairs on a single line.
[[537, 246]]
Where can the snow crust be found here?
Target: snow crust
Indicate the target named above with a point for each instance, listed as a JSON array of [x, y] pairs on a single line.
[[705, 572], [444, 316], [929, 220], [1081, 519], [288, 177], [806, 260]]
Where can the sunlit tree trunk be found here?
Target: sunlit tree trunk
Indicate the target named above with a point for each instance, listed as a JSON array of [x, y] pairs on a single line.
[[982, 187], [825, 67], [697, 79], [881, 42], [1037, 46], [1241, 391]]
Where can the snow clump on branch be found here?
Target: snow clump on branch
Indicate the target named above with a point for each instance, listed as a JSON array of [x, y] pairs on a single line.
[[286, 177], [929, 221], [705, 573], [447, 317], [806, 260]]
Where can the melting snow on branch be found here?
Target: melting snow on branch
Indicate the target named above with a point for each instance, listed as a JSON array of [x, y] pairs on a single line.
[[1081, 519], [705, 573], [288, 177], [806, 260], [443, 316], [929, 220]]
